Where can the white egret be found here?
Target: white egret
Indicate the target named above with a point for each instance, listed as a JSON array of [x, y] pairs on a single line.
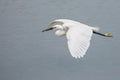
[[78, 35]]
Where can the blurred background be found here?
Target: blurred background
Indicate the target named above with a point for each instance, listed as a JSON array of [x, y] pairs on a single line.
[[28, 54]]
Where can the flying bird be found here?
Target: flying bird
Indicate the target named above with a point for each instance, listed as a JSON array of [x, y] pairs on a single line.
[[78, 35]]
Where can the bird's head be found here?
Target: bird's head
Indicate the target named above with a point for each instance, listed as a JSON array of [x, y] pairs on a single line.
[[54, 25], [57, 27]]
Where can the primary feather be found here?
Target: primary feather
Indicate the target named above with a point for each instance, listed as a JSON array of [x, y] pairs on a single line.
[[78, 40]]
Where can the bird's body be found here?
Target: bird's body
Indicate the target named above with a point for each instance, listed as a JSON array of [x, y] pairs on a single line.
[[78, 35], [67, 24]]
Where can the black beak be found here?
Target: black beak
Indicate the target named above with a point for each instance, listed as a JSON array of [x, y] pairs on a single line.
[[47, 29]]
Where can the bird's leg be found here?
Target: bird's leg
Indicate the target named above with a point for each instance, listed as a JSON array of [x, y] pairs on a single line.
[[105, 35]]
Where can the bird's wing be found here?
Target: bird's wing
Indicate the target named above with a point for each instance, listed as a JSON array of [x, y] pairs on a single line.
[[79, 40]]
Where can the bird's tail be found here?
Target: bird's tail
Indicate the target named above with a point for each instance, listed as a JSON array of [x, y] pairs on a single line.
[[95, 29]]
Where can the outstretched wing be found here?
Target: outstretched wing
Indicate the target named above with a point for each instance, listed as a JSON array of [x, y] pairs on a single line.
[[79, 40]]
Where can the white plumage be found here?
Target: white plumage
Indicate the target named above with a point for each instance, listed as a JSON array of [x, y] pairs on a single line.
[[78, 35], [78, 40]]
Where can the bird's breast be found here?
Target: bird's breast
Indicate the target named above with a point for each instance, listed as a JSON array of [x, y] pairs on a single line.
[[60, 32]]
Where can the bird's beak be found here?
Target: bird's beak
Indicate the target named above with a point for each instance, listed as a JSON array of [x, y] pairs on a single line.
[[47, 29]]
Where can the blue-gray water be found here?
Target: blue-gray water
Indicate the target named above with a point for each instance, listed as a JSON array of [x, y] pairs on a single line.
[[28, 54]]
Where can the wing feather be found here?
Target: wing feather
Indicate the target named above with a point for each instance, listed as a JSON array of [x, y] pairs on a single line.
[[79, 40]]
